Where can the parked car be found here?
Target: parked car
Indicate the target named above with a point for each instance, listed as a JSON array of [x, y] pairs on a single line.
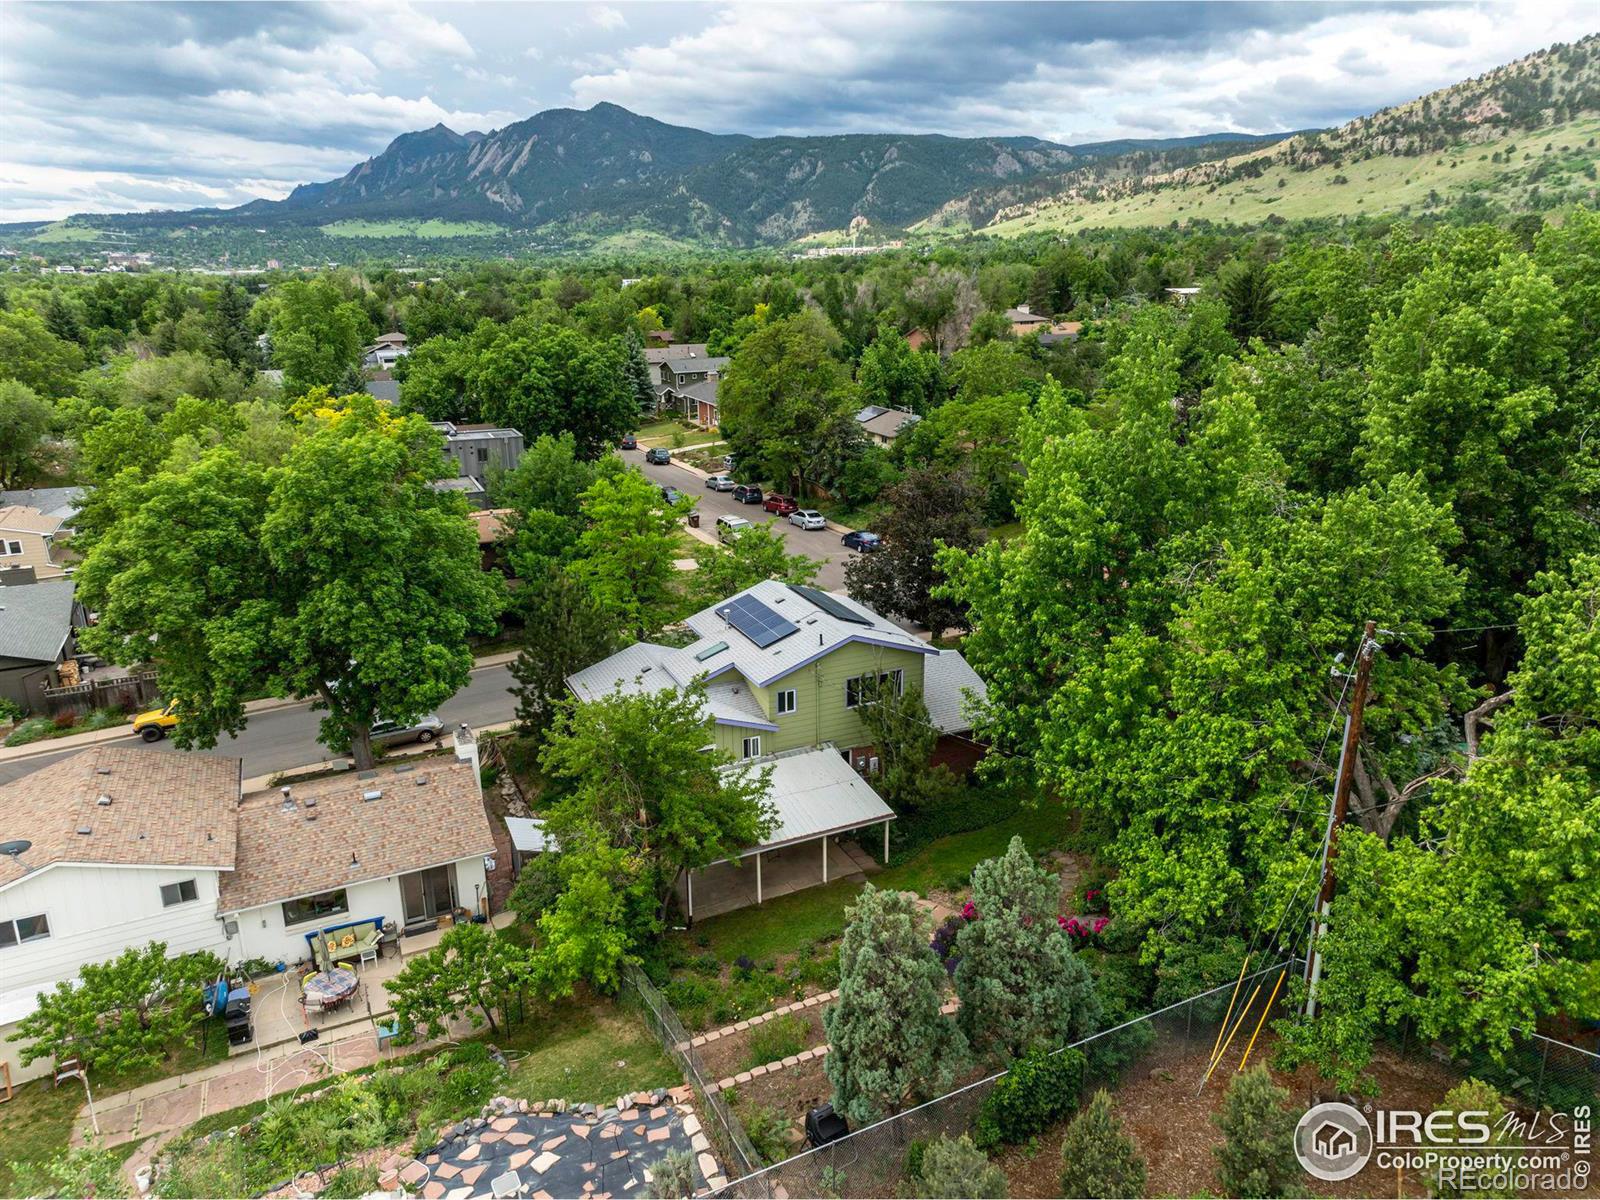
[[154, 725], [727, 462], [729, 528], [629, 442], [720, 483], [392, 733], [669, 494], [747, 493], [780, 504], [861, 541], [808, 518], [659, 455]]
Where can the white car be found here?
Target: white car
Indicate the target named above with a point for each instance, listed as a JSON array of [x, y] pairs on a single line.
[[729, 528], [720, 483], [808, 518]]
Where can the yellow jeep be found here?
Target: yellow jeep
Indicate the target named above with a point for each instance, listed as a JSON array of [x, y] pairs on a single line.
[[152, 726]]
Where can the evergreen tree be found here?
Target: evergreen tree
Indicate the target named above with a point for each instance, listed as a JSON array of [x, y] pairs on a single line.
[[1020, 984], [1257, 1160], [899, 728], [1097, 1157], [890, 1044], [636, 370], [955, 1168], [229, 327], [1251, 299]]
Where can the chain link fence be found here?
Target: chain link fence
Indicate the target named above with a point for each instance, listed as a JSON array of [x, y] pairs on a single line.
[[723, 1129]]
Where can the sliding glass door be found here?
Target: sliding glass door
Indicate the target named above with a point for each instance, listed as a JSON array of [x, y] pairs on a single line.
[[426, 894]]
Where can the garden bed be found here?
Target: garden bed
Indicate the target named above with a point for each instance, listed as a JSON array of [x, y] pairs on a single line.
[[39, 729], [769, 1042]]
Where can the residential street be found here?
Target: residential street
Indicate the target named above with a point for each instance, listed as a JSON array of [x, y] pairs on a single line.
[[280, 738], [821, 544]]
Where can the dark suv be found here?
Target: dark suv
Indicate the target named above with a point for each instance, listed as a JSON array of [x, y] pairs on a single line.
[[747, 493], [659, 455]]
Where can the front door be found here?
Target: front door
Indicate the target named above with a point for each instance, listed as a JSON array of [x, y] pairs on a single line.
[[426, 894]]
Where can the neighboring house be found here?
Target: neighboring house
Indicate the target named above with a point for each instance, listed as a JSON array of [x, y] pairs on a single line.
[[490, 526], [919, 339], [475, 490], [385, 352], [1064, 331], [28, 538], [383, 386], [680, 383], [1182, 295], [699, 402], [1025, 321], [785, 668], [883, 425], [120, 846], [479, 450], [656, 355], [403, 844], [37, 621], [63, 502]]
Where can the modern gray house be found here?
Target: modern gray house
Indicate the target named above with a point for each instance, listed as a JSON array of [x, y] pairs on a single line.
[[37, 622], [478, 451]]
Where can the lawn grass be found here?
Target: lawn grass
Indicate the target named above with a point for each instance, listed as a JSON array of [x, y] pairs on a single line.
[[572, 1050], [948, 862], [36, 1124], [660, 433]]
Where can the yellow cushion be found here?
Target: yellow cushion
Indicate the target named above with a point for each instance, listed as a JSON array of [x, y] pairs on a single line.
[[349, 939], [332, 945]]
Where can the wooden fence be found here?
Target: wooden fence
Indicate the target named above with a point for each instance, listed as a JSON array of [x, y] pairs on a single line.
[[131, 692]]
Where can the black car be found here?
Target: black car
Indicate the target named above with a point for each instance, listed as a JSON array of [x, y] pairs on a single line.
[[747, 493], [659, 455], [669, 495], [862, 541], [629, 442]]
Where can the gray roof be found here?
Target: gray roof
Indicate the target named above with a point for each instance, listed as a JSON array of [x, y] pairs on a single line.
[[528, 835], [656, 355], [461, 483], [641, 669], [888, 422], [645, 667], [384, 389], [685, 364], [705, 390], [35, 619], [60, 502], [814, 792], [947, 678]]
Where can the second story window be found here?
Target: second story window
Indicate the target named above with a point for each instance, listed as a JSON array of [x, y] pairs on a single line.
[[786, 702], [856, 685], [23, 929], [10, 547]]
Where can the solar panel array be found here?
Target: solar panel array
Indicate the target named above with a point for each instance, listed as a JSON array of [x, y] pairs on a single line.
[[756, 621], [828, 604]]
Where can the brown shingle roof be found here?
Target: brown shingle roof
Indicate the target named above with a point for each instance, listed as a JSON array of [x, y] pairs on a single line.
[[22, 519], [166, 809], [430, 812]]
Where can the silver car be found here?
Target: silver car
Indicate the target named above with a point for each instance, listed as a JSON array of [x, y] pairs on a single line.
[[808, 518], [721, 483], [392, 733]]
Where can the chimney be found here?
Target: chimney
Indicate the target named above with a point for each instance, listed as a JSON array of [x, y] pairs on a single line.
[[288, 798], [467, 747], [1025, 310]]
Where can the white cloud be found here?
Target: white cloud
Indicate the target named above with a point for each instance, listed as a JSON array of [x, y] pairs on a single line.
[[603, 16]]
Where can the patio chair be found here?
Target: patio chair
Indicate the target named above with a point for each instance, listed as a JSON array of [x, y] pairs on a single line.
[[387, 1032], [369, 954], [312, 1005]]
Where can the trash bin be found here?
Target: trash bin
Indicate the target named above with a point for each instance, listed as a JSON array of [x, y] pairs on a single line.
[[694, 520]]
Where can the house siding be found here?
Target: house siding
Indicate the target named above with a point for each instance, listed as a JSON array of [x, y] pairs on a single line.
[[36, 553], [820, 714]]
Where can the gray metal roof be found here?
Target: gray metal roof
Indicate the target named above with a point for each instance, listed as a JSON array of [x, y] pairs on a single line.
[[947, 679], [528, 835], [62, 502], [814, 793], [641, 669], [680, 366], [889, 422], [387, 390], [35, 619]]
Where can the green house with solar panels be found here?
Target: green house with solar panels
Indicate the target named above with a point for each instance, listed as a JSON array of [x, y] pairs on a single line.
[[786, 670]]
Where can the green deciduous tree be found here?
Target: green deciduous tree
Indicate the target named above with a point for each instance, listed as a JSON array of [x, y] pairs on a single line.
[[894, 375], [1020, 984], [35, 357], [24, 422], [756, 554], [955, 1168], [564, 630], [473, 972], [120, 1015], [626, 551], [317, 335], [1256, 1159], [889, 1043], [1097, 1157]]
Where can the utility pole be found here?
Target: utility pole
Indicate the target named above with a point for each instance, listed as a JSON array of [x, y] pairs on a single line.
[[1341, 804]]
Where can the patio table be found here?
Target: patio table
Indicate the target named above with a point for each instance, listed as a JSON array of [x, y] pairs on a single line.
[[331, 987]]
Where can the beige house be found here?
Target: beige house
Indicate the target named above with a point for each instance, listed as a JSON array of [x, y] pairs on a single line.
[[28, 539]]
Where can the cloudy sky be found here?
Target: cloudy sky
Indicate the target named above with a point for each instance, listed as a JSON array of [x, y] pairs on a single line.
[[118, 107]]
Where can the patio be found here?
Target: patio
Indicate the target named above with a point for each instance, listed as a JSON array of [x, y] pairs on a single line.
[[723, 887], [275, 1007]]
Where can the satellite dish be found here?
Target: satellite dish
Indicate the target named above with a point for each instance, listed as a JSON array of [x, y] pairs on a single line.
[[16, 847]]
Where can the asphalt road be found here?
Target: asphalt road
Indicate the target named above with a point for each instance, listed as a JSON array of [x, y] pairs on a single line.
[[820, 544], [280, 738]]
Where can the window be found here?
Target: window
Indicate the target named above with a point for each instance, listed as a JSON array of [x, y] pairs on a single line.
[[786, 702], [9, 547], [24, 929], [483, 454], [752, 747], [178, 893], [852, 686], [310, 908]]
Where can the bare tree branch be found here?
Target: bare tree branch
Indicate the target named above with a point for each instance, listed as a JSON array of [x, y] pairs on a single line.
[[1477, 715]]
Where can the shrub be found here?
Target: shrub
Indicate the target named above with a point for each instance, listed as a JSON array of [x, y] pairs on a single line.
[[351, 1184], [777, 1039], [672, 1176], [11, 711], [1040, 1088], [955, 1168], [766, 1130], [1097, 1157], [1257, 1159], [1474, 1095], [64, 720], [687, 993]]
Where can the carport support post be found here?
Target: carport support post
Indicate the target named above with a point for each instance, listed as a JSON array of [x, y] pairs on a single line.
[[886, 843], [689, 879], [758, 877], [824, 858]]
